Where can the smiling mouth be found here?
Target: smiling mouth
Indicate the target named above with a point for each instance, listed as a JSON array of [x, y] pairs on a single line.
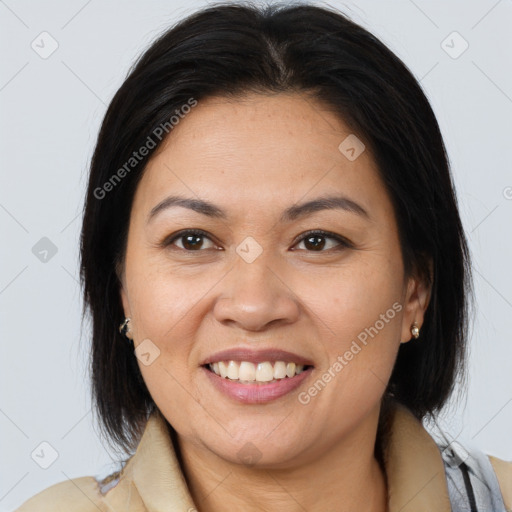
[[246, 372]]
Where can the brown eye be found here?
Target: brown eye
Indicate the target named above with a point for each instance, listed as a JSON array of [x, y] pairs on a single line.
[[317, 241], [191, 240]]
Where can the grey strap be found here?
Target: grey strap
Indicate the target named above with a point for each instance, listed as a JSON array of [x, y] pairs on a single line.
[[472, 482]]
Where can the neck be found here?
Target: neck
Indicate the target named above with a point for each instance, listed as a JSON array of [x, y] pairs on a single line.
[[344, 478]]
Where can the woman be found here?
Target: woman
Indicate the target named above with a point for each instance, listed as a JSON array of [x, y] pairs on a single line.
[[278, 278]]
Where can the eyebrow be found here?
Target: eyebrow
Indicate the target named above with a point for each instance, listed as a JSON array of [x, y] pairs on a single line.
[[290, 214]]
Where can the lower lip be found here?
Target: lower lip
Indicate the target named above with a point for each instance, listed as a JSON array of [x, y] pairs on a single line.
[[256, 393]]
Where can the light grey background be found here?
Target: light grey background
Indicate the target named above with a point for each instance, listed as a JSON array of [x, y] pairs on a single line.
[[51, 110]]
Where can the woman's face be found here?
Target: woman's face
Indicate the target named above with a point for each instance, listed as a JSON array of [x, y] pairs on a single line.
[[254, 282]]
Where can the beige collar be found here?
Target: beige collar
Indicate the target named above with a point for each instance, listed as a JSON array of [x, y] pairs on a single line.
[[414, 469]]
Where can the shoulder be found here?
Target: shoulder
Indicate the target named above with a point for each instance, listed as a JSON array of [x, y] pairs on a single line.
[[480, 476], [503, 470], [75, 495]]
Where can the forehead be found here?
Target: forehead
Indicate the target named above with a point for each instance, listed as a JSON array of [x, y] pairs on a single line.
[[258, 150], [279, 126]]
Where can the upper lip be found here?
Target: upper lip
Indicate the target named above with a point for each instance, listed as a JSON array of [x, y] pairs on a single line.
[[256, 356]]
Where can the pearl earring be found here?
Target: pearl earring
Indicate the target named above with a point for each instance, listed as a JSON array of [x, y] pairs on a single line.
[[124, 328]]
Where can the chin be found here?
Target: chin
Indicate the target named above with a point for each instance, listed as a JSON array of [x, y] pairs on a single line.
[[257, 446]]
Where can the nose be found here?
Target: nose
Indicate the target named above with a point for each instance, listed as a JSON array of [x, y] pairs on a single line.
[[255, 296]]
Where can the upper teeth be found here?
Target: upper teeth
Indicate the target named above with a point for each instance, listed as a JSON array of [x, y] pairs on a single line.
[[262, 372]]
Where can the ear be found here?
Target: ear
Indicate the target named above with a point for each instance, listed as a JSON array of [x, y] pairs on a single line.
[[122, 291], [124, 300], [416, 301]]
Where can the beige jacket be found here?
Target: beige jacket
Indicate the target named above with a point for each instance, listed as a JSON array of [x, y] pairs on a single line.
[[152, 480]]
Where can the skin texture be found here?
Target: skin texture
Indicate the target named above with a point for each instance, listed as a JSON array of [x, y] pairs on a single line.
[[255, 156]]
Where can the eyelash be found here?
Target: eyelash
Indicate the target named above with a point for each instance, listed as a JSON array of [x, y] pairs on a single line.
[[344, 243]]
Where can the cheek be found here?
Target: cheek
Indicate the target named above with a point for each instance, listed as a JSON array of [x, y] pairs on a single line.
[[175, 395], [166, 301], [170, 312], [359, 312], [351, 298]]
